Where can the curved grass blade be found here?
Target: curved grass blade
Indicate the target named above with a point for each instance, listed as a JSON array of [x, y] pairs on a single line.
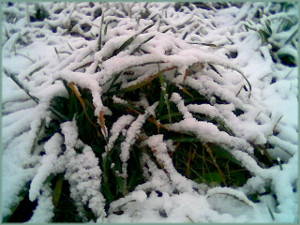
[[102, 122], [82, 102], [237, 70]]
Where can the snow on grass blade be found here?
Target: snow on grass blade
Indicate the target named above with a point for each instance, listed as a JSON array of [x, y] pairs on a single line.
[[165, 95], [16, 80], [130, 40], [145, 81], [101, 33]]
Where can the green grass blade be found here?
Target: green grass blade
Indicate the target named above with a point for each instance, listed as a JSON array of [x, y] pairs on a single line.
[[141, 84], [187, 139], [130, 40], [140, 45], [291, 37], [174, 114], [165, 95], [116, 77], [268, 25], [271, 213], [220, 152], [57, 190], [100, 33]]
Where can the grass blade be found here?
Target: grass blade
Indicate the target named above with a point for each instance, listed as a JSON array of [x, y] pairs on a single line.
[[145, 82], [102, 122], [16, 80], [165, 95], [140, 45], [100, 33], [130, 40], [209, 151], [57, 190], [185, 74], [82, 102], [271, 213]]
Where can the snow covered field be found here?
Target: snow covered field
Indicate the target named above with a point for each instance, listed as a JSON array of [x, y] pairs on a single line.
[[241, 57]]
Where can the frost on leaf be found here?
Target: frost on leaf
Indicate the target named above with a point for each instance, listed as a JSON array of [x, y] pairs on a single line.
[[48, 165], [82, 172]]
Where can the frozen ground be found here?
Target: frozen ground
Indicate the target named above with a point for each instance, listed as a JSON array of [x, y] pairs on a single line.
[[39, 54]]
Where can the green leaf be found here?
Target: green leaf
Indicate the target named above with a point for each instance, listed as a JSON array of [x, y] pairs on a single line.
[[161, 105], [254, 197], [220, 152], [213, 177], [287, 5], [246, 27], [165, 95], [141, 84], [105, 186], [121, 184], [57, 190], [187, 139], [107, 193], [100, 33], [106, 27], [264, 35], [238, 177], [173, 114], [288, 60], [49, 178], [291, 37], [116, 77], [249, 27], [130, 106], [199, 180], [271, 213], [132, 179], [268, 25]]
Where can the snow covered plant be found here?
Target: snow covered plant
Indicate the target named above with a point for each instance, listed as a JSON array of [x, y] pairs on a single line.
[[126, 113]]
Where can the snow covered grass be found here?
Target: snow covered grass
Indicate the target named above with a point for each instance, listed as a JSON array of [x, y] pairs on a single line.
[[149, 112]]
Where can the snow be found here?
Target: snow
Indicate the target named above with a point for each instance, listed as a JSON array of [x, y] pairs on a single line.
[[43, 54], [159, 148], [227, 200], [117, 127], [210, 133], [70, 132], [180, 105], [131, 134], [82, 172], [43, 213], [48, 161]]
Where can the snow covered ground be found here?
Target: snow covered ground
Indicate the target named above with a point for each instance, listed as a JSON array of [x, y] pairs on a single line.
[[240, 40]]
